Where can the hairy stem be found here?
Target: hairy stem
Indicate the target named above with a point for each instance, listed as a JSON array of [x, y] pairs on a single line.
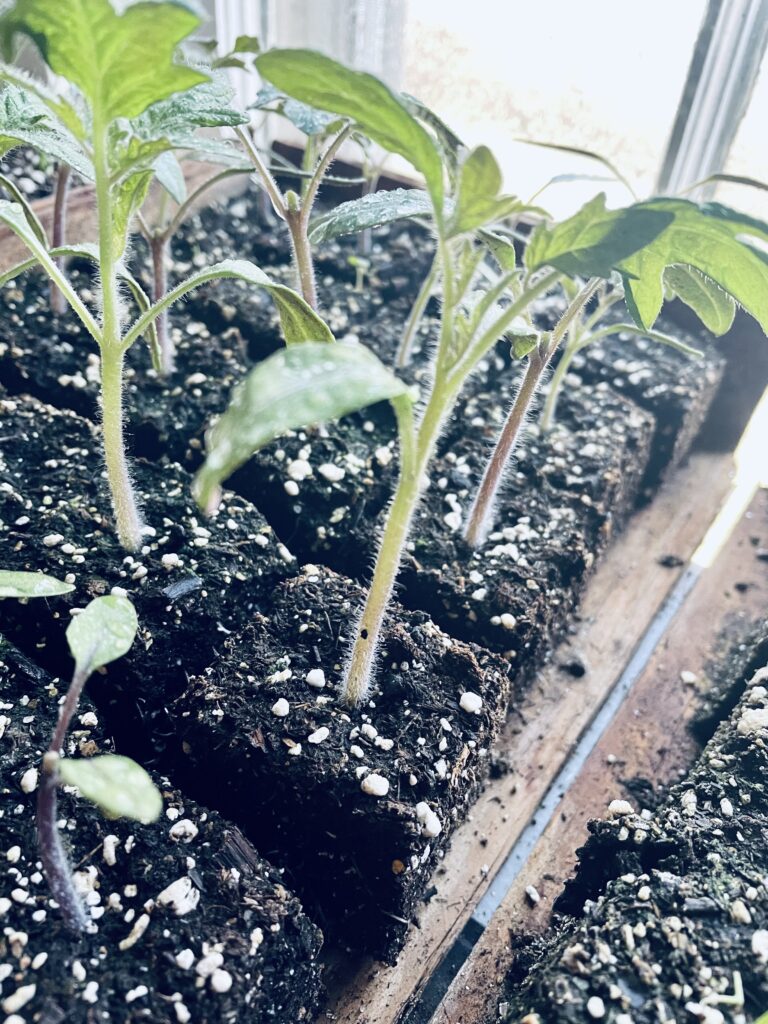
[[417, 312], [59, 231], [269, 183], [159, 246], [302, 256], [481, 514], [123, 498], [127, 517], [415, 456], [54, 859]]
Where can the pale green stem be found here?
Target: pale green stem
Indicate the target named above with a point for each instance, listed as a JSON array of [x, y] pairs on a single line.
[[128, 521], [416, 315], [481, 514]]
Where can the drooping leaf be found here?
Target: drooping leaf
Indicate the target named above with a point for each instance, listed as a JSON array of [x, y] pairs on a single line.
[[590, 154], [448, 141], [298, 321], [25, 121], [712, 239], [307, 119], [714, 307], [370, 211], [479, 203], [31, 584], [663, 339], [102, 632], [295, 387], [121, 63], [116, 784], [595, 240], [9, 185], [323, 83], [170, 175]]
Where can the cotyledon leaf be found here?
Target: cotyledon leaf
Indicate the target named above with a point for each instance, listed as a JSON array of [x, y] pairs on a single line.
[[295, 387], [31, 584], [118, 786], [102, 632]]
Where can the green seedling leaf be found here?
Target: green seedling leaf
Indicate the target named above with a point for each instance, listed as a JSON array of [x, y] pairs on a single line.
[[712, 239], [307, 119], [25, 121], [121, 63], [659, 336], [323, 83], [170, 175], [370, 211], [247, 44], [450, 144], [479, 202], [595, 240], [10, 186], [502, 249], [299, 322], [117, 785], [66, 116], [296, 387], [523, 339], [714, 307], [127, 199], [590, 154], [102, 632], [31, 584]]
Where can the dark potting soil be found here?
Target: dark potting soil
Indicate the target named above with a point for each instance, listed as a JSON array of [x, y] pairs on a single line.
[[28, 170], [360, 804], [675, 921], [188, 923], [194, 581], [568, 492]]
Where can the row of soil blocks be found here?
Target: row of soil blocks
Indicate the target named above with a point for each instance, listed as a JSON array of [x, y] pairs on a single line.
[[667, 916], [186, 921], [235, 673]]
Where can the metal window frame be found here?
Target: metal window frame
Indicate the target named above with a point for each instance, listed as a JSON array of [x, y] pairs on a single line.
[[721, 77]]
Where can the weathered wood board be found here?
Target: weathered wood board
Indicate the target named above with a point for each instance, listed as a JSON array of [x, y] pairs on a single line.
[[648, 738]]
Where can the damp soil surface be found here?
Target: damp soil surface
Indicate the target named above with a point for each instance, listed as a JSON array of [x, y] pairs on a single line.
[[667, 916], [359, 803], [187, 922]]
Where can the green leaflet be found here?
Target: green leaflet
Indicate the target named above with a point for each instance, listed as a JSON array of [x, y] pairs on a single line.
[[31, 584], [479, 203], [102, 632], [24, 120], [127, 198], [121, 63], [307, 119], [65, 113], [296, 387], [117, 785], [170, 175], [370, 211], [298, 321], [323, 83], [709, 239], [710, 303], [595, 240]]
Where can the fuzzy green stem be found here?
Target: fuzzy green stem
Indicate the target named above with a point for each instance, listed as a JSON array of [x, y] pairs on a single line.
[[127, 517], [58, 236], [416, 315], [415, 456], [159, 246], [124, 503], [302, 256], [481, 514]]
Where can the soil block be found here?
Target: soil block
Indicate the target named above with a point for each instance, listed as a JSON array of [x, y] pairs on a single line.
[[675, 921], [193, 582], [188, 923], [360, 804], [566, 495], [677, 389]]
